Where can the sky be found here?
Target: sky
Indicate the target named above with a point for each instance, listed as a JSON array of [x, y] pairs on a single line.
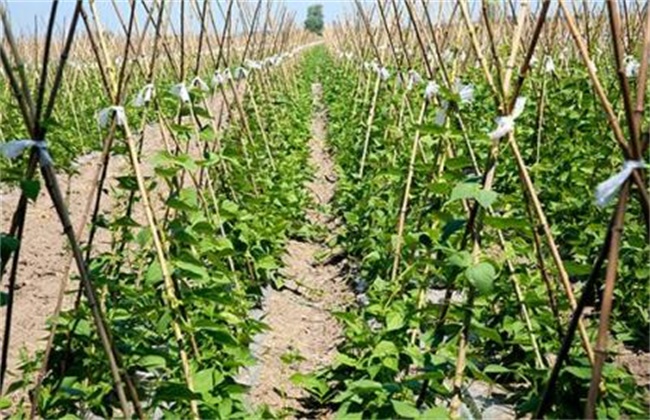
[[23, 12]]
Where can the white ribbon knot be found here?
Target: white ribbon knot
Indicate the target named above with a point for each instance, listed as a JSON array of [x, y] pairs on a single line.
[[144, 96], [104, 116], [180, 90], [199, 83], [441, 114], [632, 67], [218, 79], [432, 89], [241, 73], [252, 64], [549, 65], [506, 123], [466, 92], [383, 73], [607, 189], [414, 79], [15, 148]]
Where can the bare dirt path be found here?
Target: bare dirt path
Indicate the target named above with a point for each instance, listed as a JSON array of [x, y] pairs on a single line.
[[303, 334]]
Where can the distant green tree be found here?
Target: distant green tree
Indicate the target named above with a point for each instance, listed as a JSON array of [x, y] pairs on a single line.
[[314, 21]]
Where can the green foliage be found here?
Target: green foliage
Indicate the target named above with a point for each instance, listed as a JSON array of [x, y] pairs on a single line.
[[394, 340], [314, 21], [223, 242]]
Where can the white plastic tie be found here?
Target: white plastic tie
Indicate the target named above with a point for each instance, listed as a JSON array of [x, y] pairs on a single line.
[[180, 90], [466, 92], [506, 123], [549, 65], [15, 148], [441, 114], [414, 79], [217, 78], [199, 83], [144, 96], [606, 190], [252, 64], [104, 116], [632, 67], [383, 73], [241, 73], [432, 89]]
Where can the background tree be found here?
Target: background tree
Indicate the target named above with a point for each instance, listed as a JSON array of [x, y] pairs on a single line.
[[314, 21]]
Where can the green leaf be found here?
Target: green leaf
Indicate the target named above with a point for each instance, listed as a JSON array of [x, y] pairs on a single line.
[[486, 332], [194, 270], [579, 372], [481, 276], [154, 274], [575, 269], [365, 386], [223, 244], [152, 361], [5, 403], [496, 369], [464, 191], [462, 259], [229, 208], [201, 112], [467, 190], [506, 223], [434, 413], [127, 182], [405, 410], [173, 391], [31, 188], [394, 321], [225, 408], [384, 348], [8, 244], [204, 380], [267, 262], [217, 331], [486, 198], [343, 359], [310, 382]]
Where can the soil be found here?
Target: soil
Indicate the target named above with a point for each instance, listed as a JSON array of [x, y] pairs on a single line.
[[303, 334]]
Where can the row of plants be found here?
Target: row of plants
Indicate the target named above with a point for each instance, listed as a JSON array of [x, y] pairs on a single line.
[[223, 240], [401, 347]]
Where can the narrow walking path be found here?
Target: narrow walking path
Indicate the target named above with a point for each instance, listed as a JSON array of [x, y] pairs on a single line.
[[303, 334]]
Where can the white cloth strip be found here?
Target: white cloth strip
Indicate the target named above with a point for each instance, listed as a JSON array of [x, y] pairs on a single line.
[[607, 189], [180, 90], [549, 65], [144, 96], [632, 67], [384, 73], [199, 83], [252, 64], [241, 73], [441, 114], [466, 92], [414, 79], [104, 116], [432, 89], [218, 79], [15, 148], [506, 123]]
